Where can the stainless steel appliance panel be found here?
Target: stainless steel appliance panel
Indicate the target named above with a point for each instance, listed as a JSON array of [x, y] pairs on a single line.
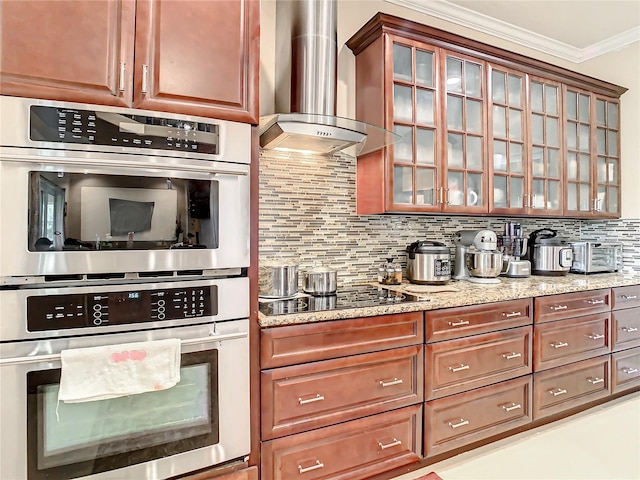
[[230, 339]]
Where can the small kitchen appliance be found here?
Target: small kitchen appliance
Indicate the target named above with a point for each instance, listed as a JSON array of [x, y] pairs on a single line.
[[428, 263], [548, 253], [476, 256], [513, 246], [594, 257]]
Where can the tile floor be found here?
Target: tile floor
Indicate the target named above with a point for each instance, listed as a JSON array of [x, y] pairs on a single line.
[[602, 443]]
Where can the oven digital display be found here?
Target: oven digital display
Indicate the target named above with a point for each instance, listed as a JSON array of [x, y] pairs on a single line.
[[59, 312]]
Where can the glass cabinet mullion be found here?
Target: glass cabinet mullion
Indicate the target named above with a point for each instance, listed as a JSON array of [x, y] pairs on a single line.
[[607, 163]]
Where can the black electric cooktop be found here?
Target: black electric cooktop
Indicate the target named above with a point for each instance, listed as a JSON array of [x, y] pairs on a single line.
[[356, 296]]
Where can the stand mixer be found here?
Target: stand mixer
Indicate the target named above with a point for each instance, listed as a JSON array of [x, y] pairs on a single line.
[[477, 258]]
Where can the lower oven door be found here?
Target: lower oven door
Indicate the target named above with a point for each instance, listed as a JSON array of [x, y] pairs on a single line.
[[202, 421]]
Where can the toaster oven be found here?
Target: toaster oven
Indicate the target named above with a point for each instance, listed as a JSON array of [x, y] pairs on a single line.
[[593, 257]]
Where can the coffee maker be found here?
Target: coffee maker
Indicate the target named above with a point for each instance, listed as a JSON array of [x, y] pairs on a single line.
[[513, 246], [476, 256]]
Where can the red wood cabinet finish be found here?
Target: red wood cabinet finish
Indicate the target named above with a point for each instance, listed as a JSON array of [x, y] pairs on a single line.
[[566, 305], [625, 370], [625, 297], [625, 329]]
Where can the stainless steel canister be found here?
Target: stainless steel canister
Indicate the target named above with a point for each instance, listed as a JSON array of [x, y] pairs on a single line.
[[278, 280]]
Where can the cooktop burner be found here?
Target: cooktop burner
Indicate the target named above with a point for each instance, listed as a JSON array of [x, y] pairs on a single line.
[[355, 296]]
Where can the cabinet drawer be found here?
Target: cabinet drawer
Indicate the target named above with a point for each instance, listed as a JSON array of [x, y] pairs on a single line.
[[455, 366], [625, 329], [318, 394], [625, 370], [625, 297], [319, 341], [570, 386], [348, 451], [471, 416], [557, 307], [571, 340], [462, 322]]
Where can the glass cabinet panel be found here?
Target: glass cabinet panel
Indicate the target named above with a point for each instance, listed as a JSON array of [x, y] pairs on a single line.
[[546, 135], [607, 181], [578, 152], [415, 171], [507, 139]]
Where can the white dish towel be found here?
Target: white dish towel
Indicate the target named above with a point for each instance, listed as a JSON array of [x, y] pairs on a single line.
[[111, 371]]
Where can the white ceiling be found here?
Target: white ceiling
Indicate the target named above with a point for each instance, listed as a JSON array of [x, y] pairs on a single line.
[[575, 30]]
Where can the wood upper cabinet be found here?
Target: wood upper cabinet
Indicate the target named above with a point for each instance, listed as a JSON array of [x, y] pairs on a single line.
[[483, 130], [197, 57], [68, 50]]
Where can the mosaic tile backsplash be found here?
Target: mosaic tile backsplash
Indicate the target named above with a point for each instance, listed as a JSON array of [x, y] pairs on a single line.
[[308, 215]]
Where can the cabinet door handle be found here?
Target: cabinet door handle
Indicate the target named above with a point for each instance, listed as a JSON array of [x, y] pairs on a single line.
[[558, 307], [512, 314], [511, 407], [461, 423], [629, 297], [316, 466], [458, 323], [145, 74], [629, 329], [557, 391], [629, 370], [448, 197], [459, 368], [317, 398], [509, 356], [595, 302], [123, 67], [595, 380], [394, 443], [595, 336], [559, 344], [395, 381]]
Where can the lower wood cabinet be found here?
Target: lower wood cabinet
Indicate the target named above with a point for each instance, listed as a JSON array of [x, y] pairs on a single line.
[[625, 297], [570, 386], [625, 329], [352, 450], [625, 370], [455, 366], [317, 394], [465, 418]]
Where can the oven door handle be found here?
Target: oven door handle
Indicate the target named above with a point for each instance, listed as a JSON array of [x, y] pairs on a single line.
[[56, 356]]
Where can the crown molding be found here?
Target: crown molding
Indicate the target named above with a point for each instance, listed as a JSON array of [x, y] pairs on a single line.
[[497, 28]]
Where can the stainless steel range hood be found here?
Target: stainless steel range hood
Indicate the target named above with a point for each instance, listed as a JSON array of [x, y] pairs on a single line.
[[312, 126]]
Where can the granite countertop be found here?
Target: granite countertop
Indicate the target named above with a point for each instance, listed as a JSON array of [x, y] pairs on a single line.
[[467, 294]]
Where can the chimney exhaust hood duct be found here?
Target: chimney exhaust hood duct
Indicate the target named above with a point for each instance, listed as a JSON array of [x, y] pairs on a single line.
[[313, 126]]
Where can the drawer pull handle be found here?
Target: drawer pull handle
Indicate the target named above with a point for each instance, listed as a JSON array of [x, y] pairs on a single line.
[[317, 465], [512, 314], [595, 336], [509, 356], [629, 329], [595, 380], [559, 307], [461, 423], [395, 381], [557, 391], [629, 370], [394, 443], [459, 368], [595, 302], [459, 323], [629, 297], [559, 344], [317, 398], [513, 406]]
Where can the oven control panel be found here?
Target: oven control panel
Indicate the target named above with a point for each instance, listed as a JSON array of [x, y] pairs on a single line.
[[55, 312]]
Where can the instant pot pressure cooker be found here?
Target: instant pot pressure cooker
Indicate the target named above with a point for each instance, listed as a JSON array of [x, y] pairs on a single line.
[[428, 263], [548, 253]]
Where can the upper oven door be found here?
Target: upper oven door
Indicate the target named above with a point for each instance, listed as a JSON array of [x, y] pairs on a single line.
[[80, 213]]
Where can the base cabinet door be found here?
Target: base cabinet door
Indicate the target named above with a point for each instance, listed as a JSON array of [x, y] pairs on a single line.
[[625, 329], [349, 451], [625, 370], [465, 418], [570, 386]]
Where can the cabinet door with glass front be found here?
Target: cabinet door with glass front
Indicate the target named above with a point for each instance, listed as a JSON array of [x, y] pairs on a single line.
[[464, 135], [508, 165], [607, 171], [416, 183], [545, 153]]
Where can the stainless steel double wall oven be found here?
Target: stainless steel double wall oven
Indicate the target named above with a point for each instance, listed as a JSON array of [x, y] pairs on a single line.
[[121, 226]]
